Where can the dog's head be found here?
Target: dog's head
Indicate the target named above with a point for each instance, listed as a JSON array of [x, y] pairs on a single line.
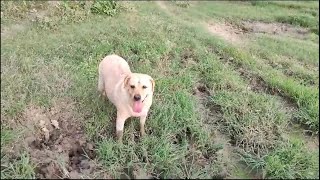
[[139, 87]]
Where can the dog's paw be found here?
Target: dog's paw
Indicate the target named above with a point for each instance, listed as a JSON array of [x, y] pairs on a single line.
[[142, 133], [119, 136]]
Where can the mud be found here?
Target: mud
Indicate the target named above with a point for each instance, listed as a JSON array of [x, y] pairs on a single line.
[[56, 143]]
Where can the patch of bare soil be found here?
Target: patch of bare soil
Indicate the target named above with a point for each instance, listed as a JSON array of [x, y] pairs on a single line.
[[162, 5], [226, 30], [236, 34], [313, 143], [211, 116], [56, 142], [135, 172], [275, 28], [12, 30]]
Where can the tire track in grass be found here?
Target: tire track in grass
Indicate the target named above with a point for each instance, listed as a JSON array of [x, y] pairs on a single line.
[[257, 83], [260, 85], [213, 116]]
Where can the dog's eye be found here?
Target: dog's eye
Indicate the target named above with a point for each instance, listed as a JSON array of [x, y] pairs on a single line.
[[132, 86], [144, 87]]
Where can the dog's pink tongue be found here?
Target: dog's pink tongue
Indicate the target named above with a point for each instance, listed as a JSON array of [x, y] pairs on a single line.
[[137, 106]]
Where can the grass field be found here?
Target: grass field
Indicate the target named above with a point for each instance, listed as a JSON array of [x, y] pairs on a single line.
[[237, 89]]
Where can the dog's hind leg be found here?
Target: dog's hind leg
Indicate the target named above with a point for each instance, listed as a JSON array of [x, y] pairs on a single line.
[[101, 85]]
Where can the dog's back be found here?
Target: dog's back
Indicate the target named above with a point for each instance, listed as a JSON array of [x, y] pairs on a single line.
[[111, 71]]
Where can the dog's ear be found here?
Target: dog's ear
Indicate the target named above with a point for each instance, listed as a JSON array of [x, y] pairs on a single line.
[[126, 80], [153, 84]]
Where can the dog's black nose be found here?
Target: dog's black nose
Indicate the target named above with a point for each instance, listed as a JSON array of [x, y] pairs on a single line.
[[137, 97]]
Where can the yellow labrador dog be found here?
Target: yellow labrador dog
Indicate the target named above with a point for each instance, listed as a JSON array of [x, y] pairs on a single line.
[[131, 93]]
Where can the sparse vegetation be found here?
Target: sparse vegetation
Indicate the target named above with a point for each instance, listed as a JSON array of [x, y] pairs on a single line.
[[105, 7], [247, 87]]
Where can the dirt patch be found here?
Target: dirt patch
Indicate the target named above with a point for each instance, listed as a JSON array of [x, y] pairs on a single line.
[[57, 144], [226, 30], [274, 28], [162, 5], [12, 30], [236, 33], [313, 143], [135, 172]]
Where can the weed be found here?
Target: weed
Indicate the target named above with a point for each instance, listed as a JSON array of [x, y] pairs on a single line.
[[183, 4], [105, 7]]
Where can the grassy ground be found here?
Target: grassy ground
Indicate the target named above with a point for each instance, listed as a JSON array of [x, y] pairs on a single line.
[[230, 102]]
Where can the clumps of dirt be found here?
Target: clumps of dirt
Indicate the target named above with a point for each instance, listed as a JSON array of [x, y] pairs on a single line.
[[227, 31], [57, 144], [274, 28], [201, 90]]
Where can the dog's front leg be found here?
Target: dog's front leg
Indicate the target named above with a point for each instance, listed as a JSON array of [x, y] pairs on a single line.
[[119, 125], [142, 122]]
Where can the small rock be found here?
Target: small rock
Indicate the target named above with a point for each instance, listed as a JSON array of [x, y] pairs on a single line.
[[55, 124], [46, 133]]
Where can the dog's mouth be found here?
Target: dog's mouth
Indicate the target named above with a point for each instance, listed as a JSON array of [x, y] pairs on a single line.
[[138, 105]]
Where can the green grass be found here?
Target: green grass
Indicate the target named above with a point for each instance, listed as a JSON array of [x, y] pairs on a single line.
[[43, 63], [245, 113], [292, 160], [20, 168], [301, 51]]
